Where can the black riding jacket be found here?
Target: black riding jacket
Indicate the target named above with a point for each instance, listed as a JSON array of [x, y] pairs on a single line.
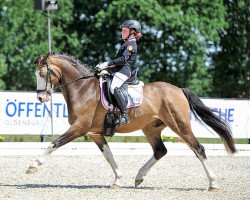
[[124, 58]]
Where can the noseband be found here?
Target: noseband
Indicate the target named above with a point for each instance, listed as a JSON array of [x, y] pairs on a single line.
[[48, 78]]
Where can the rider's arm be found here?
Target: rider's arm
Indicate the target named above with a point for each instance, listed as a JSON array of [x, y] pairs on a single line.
[[130, 48], [117, 61]]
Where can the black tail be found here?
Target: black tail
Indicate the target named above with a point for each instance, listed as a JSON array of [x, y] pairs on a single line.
[[212, 120]]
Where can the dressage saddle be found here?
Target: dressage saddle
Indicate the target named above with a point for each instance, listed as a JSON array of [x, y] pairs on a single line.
[[111, 118]]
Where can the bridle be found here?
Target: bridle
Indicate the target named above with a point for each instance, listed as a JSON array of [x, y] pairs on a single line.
[[51, 72], [48, 77]]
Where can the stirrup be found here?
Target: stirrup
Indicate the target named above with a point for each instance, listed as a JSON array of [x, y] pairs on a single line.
[[124, 119]]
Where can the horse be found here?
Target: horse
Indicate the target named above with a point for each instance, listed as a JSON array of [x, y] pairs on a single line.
[[166, 105]]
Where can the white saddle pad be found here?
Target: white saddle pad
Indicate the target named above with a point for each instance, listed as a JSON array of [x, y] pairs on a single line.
[[135, 91]]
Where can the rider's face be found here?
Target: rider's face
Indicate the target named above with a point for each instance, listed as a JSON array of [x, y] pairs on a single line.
[[125, 32]]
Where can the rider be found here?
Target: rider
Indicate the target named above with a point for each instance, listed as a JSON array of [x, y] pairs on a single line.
[[120, 66]]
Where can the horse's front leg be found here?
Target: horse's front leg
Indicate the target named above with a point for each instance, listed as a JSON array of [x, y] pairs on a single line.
[[103, 146], [68, 136]]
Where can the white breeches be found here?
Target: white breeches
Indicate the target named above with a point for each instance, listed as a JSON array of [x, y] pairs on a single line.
[[117, 81]]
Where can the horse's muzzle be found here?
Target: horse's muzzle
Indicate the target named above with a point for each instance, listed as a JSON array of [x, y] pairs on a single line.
[[43, 97]]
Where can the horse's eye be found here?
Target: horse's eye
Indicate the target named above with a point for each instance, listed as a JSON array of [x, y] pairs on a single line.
[[41, 74]]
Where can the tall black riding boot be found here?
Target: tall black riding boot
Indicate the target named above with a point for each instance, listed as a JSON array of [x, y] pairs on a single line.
[[124, 119]]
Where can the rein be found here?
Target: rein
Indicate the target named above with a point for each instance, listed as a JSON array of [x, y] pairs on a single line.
[[82, 77]]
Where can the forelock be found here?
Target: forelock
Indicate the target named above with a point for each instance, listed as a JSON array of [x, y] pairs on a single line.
[[37, 60]]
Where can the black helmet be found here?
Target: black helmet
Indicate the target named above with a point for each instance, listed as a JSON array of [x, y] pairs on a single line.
[[132, 24]]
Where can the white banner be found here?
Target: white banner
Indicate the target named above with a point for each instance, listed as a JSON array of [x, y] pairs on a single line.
[[235, 112], [21, 113]]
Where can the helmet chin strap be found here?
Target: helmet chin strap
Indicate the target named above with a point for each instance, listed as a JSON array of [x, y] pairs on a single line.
[[129, 35]]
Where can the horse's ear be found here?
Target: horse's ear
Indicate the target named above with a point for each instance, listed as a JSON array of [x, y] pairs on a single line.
[[44, 58], [38, 59]]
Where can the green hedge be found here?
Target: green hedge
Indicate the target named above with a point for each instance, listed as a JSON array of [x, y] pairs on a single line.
[[49, 138]]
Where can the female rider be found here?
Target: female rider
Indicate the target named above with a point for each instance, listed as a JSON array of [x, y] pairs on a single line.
[[121, 65]]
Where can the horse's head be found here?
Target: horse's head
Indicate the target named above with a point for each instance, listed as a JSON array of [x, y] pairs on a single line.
[[47, 76]]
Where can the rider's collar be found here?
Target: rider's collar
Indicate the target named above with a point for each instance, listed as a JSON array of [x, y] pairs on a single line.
[[129, 39]]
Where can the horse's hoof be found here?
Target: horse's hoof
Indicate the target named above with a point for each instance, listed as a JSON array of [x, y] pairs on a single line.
[[213, 189], [138, 182], [31, 170], [115, 186]]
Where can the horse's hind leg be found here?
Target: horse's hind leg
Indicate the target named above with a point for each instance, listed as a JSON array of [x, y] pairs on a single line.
[[181, 126], [199, 151], [153, 134], [103, 146]]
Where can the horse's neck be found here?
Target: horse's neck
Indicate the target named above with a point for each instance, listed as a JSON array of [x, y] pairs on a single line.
[[77, 88], [78, 93], [81, 96], [69, 74], [80, 89]]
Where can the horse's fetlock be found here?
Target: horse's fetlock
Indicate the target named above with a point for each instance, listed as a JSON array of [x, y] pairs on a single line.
[[141, 174], [39, 161], [34, 164], [201, 151], [119, 176], [55, 145]]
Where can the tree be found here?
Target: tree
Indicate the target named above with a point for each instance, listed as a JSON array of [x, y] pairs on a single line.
[[178, 37], [3, 70], [232, 64], [23, 37]]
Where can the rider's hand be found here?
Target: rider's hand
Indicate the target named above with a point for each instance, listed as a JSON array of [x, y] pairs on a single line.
[[101, 66]]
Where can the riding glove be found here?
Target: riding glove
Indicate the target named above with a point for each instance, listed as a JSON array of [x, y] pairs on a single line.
[[102, 66]]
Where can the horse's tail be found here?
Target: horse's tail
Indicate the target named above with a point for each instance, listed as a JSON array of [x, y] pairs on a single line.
[[217, 124]]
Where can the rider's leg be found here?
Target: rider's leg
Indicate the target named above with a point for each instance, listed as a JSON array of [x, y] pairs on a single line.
[[117, 82], [122, 106]]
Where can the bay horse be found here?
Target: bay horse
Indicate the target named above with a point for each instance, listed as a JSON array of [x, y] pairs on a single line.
[[165, 106]]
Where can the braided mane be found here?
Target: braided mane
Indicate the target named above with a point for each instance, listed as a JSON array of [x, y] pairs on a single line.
[[73, 61]]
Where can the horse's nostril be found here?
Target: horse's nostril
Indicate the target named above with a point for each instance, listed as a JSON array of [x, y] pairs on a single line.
[[40, 99]]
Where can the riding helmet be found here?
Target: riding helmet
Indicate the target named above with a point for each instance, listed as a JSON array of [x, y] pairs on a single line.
[[132, 24]]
